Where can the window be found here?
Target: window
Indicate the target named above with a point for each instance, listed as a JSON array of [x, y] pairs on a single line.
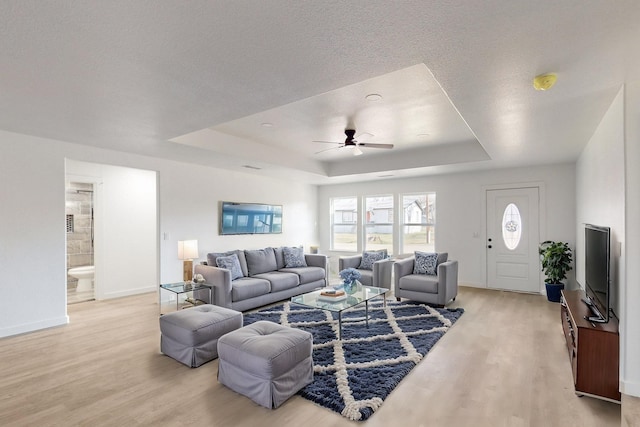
[[344, 223], [418, 222], [511, 226], [378, 223]]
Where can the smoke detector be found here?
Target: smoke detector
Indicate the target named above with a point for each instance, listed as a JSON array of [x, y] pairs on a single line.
[[544, 81]]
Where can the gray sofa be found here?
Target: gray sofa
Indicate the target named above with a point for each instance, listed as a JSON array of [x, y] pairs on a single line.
[[265, 278]]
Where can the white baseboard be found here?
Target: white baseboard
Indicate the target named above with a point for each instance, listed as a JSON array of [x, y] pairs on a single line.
[[472, 285], [35, 326], [129, 292], [630, 388]]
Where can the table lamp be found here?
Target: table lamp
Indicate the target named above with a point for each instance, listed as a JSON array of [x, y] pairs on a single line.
[[187, 252]]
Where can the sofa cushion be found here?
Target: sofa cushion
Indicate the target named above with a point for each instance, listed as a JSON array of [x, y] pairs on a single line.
[[306, 274], [231, 263], [366, 277], [211, 259], [419, 283], [425, 263], [279, 257], [442, 257], [261, 261], [369, 257], [294, 257], [249, 287], [280, 280]]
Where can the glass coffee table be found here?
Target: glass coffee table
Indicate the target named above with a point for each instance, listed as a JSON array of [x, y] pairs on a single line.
[[189, 290], [359, 294]]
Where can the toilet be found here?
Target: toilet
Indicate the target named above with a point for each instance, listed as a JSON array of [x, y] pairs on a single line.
[[84, 275]]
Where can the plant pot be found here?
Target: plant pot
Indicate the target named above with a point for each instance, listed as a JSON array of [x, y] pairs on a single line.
[[553, 291]]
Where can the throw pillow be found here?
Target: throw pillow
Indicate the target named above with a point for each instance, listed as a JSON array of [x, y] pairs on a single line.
[[425, 263], [231, 263], [368, 258], [212, 256], [294, 257]]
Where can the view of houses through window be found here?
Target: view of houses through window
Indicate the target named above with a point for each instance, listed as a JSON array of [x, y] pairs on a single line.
[[378, 223], [415, 224], [344, 223], [418, 222]]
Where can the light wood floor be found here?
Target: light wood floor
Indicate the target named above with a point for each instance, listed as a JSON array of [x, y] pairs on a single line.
[[504, 363]]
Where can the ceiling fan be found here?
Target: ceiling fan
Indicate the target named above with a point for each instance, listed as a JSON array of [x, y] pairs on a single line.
[[352, 143]]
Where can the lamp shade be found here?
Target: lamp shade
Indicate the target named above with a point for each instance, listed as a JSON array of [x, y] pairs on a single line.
[[187, 249]]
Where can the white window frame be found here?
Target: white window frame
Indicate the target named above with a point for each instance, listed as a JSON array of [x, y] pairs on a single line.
[[334, 224], [426, 223], [390, 224]]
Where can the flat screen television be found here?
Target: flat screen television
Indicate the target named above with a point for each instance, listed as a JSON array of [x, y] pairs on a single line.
[[597, 271], [250, 218]]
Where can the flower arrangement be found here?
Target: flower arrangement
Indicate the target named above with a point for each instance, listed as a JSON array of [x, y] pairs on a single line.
[[350, 274]]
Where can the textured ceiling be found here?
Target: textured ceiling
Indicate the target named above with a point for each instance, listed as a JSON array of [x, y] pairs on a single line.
[[194, 81]]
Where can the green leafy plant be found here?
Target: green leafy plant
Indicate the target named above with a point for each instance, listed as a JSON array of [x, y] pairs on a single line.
[[556, 260]]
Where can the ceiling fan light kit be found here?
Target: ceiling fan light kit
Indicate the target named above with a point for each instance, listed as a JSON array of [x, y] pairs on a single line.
[[351, 142]]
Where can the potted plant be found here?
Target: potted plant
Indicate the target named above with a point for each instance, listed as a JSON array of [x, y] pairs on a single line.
[[556, 260]]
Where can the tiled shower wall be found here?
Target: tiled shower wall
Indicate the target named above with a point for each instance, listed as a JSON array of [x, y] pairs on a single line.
[[79, 203]]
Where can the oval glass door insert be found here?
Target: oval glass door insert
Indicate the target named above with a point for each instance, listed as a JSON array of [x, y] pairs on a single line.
[[511, 226]]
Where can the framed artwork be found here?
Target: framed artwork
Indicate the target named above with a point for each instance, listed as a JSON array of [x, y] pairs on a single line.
[[250, 218]]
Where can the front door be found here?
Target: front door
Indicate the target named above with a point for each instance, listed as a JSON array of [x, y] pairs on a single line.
[[512, 239]]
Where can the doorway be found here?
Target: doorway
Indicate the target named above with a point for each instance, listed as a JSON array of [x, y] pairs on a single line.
[[79, 210], [125, 227], [512, 239]]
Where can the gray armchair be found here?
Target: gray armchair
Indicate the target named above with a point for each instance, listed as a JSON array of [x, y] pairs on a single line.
[[379, 276], [436, 289]]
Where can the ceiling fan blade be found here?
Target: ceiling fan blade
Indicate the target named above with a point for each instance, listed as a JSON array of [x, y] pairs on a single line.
[[329, 142], [364, 136], [372, 145], [327, 149]]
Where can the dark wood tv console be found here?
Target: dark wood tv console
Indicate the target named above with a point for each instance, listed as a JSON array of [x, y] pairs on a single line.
[[594, 349]]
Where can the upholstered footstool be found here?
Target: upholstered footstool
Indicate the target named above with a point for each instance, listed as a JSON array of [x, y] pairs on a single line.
[[266, 362], [191, 335]]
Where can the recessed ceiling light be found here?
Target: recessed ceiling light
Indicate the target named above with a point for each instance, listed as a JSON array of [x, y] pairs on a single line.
[[251, 167], [373, 97], [267, 125], [422, 135]]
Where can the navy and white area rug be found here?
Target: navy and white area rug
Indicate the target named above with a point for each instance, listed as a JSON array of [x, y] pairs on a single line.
[[354, 375]]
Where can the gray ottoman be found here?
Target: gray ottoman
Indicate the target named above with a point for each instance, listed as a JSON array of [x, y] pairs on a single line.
[[191, 335], [266, 362]]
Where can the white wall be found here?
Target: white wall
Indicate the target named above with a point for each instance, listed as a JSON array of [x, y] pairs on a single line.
[[32, 238], [630, 321], [190, 204], [460, 209], [600, 191], [608, 193]]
